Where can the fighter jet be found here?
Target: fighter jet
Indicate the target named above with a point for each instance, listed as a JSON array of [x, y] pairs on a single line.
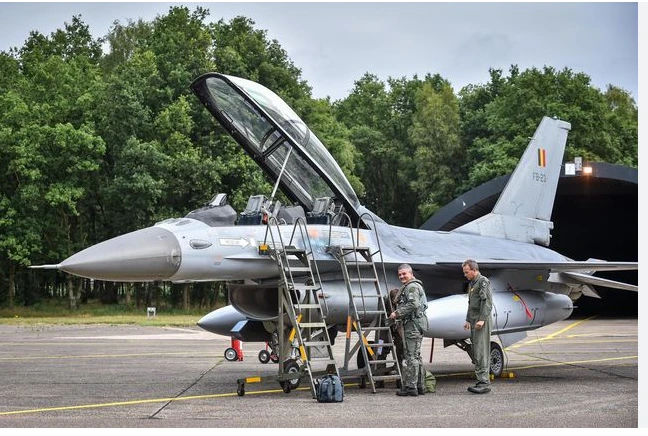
[[533, 286]]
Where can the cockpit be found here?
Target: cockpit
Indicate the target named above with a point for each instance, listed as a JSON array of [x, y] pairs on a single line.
[[259, 209]]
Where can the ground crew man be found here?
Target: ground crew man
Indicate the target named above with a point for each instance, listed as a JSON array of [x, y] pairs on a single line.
[[478, 321], [410, 311]]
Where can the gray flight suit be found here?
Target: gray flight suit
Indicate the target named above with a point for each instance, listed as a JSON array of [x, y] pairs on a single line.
[[480, 303], [411, 313]]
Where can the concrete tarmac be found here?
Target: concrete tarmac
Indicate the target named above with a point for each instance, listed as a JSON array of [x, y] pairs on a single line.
[[575, 373]]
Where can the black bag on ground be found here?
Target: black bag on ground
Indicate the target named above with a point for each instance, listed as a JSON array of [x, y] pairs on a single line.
[[330, 389]]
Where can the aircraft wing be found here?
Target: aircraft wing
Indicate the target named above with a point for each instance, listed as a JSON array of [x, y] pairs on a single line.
[[598, 281], [551, 266], [568, 272]]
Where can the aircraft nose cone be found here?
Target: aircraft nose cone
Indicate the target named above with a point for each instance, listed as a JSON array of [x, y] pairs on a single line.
[[144, 255]]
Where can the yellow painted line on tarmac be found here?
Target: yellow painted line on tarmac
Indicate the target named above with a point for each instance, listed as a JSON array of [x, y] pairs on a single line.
[[597, 335], [134, 402], [576, 362], [152, 400], [545, 365], [120, 403], [551, 335], [94, 356], [573, 340]]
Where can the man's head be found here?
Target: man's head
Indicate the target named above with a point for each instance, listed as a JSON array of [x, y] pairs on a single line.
[[405, 273], [470, 269]]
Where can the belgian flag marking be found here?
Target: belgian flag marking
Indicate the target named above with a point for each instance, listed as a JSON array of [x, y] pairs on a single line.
[[542, 157]]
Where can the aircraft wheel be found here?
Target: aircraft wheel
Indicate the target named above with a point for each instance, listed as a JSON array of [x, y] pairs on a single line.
[[290, 366], [496, 359], [231, 354], [264, 356], [240, 390]]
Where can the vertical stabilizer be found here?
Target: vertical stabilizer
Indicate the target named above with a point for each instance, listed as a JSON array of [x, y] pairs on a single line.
[[523, 210]]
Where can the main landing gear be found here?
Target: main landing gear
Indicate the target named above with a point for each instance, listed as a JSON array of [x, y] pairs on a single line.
[[496, 355], [496, 359]]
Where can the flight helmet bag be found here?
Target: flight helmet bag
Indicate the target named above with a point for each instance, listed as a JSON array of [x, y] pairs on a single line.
[[330, 389]]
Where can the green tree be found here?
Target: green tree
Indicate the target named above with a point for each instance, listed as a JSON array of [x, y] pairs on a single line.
[[48, 147], [513, 108], [365, 113], [124, 42], [435, 133], [180, 42], [623, 118], [46, 169], [379, 116], [192, 176]]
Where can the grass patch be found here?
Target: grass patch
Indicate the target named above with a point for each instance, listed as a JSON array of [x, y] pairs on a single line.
[[160, 320], [55, 312]]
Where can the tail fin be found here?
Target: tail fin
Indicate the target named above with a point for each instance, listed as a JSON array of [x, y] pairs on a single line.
[[523, 211]]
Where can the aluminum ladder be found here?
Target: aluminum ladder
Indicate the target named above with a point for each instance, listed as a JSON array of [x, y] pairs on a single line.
[[367, 315], [299, 304]]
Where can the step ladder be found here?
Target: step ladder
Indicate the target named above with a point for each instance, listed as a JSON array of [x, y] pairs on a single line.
[[299, 303], [367, 315]]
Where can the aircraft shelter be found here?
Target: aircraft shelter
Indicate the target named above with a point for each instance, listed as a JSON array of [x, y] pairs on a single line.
[[595, 215]]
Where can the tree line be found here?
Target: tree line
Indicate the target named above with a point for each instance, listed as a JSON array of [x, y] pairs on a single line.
[[101, 136]]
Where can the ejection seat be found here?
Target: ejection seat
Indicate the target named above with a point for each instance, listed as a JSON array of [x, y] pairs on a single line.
[[322, 211], [216, 213], [253, 213]]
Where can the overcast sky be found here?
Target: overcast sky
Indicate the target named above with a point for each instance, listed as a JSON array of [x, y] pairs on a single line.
[[334, 44]]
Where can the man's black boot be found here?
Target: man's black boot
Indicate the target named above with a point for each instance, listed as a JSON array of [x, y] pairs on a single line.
[[420, 390], [479, 389], [407, 392]]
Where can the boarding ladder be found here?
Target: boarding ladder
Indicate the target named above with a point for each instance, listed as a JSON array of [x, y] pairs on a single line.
[[299, 304], [367, 314]]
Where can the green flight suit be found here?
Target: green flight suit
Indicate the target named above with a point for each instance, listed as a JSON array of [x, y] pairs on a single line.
[[411, 312], [480, 303]]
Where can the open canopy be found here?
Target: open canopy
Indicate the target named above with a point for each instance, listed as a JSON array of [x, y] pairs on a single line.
[[276, 138]]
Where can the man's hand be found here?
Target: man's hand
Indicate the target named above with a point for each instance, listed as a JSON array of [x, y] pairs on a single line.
[[479, 325], [466, 325]]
